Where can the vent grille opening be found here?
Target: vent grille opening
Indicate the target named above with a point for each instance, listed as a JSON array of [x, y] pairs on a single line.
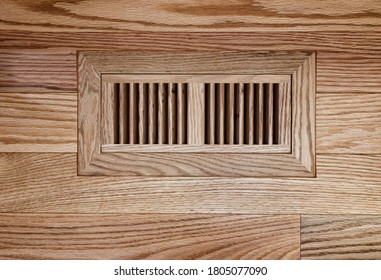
[[243, 113], [218, 113], [150, 113]]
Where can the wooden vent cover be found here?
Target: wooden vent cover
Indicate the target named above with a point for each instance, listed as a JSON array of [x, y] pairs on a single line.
[[197, 114]]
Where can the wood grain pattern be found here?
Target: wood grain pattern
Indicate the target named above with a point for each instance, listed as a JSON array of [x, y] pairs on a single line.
[[195, 114], [38, 122], [341, 237], [352, 57], [221, 15], [225, 149], [345, 123], [153, 236], [48, 182], [348, 123]]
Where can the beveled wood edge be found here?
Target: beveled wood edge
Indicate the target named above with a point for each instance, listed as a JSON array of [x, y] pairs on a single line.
[[196, 165], [88, 159], [193, 78], [303, 131], [247, 62], [221, 149]]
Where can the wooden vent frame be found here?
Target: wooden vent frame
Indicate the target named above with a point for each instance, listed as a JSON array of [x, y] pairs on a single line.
[[104, 77]]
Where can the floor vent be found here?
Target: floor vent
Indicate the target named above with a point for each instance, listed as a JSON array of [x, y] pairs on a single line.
[[217, 114]]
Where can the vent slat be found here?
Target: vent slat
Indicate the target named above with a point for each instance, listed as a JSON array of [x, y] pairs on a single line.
[[230, 114], [250, 114], [133, 115], [259, 104], [181, 113], [240, 108], [152, 113], [162, 112], [123, 118], [142, 113], [271, 115], [212, 113], [220, 114], [172, 128]]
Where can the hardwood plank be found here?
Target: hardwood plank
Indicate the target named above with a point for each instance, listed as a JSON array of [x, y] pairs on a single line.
[[38, 122], [152, 236], [341, 237], [222, 15], [38, 70], [359, 42], [352, 57], [48, 182], [348, 123]]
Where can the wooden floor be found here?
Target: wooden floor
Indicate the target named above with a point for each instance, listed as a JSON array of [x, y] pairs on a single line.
[[47, 211]]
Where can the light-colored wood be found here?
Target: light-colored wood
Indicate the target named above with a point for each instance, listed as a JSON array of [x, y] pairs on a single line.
[[149, 236], [276, 63], [241, 114], [181, 113], [220, 124], [284, 114], [353, 58], [47, 182], [123, 118], [162, 112], [44, 122], [250, 113], [243, 63], [259, 117], [110, 114], [152, 114], [303, 114], [194, 78], [226, 149], [196, 114], [197, 165], [172, 125], [230, 114], [133, 113], [212, 114], [270, 115], [143, 114], [348, 123], [187, 15], [341, 237]]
